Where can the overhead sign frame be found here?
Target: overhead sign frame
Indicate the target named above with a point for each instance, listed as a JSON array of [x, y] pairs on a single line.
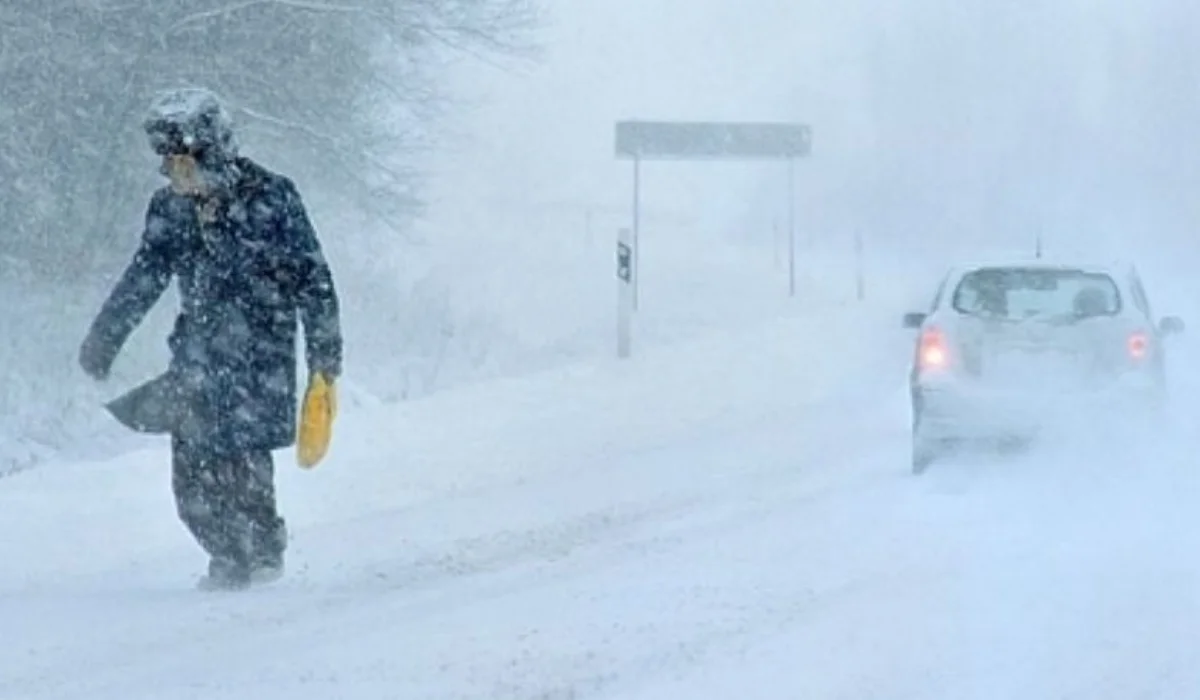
[[659, 140], [641, 140]]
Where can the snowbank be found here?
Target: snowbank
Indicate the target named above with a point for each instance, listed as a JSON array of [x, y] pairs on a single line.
[[516, 427], [499, 304]]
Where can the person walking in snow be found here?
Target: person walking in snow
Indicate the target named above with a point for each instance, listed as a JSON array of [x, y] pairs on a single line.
[[237, 239]]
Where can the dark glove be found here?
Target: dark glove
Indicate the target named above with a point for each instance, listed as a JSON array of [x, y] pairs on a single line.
[[95, 359]]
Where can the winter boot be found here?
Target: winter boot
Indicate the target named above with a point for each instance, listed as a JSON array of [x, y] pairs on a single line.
[[225, 574], [267, 569], [267, 561]]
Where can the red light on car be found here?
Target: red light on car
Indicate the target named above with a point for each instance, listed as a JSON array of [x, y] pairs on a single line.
[[932, 353], [1138, 344]]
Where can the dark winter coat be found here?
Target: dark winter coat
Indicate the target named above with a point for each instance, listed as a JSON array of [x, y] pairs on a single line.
[[247, 270]]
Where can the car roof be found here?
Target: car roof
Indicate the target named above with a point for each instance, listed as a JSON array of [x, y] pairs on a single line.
[[1114, 268]]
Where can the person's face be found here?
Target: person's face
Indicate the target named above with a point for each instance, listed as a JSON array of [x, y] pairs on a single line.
[[184, 173]]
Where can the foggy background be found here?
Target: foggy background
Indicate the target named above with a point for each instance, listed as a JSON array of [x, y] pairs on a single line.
[[457, 160]]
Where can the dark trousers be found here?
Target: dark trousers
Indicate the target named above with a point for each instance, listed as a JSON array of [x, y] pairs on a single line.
[[227, 502]]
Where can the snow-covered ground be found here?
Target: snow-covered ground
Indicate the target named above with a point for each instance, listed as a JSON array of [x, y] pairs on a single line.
[[729, 515]]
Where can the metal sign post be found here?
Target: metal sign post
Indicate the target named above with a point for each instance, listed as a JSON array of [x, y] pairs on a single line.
[[637, 224], [791, 210], [692, 141], [626, 283], [860, 285]]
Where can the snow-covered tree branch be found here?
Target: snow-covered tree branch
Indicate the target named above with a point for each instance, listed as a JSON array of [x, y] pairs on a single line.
[[341, 94]]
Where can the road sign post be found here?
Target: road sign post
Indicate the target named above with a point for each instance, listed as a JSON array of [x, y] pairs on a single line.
[[637, 226], [626, 278], [860, 282], [791, 210], [640, 141]]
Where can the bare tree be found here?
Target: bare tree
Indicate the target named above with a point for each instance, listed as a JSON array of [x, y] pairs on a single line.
[[338, 92]]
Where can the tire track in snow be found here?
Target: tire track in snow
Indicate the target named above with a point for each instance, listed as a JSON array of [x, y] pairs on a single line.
[[475, 569]]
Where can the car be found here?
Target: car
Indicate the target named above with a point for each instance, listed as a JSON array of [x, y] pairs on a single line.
[[1005, 346]]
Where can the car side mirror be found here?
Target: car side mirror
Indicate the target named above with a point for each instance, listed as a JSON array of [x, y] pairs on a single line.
[[1170, 325], [914, 319]]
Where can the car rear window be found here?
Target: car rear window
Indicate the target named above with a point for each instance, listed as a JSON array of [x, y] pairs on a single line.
[[1015, 293]]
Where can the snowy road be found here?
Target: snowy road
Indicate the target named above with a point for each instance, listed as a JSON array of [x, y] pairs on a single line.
[[766, 548]]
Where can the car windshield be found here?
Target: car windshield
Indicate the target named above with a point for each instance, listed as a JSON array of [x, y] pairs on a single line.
[[1020, 293]]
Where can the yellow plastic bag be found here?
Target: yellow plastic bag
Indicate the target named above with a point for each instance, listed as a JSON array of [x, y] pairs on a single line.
[[316, 421]]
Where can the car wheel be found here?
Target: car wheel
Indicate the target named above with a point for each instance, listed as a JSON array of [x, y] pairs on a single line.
[[922, 457], [924, 450], [1155, 411], [1013, 444]]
